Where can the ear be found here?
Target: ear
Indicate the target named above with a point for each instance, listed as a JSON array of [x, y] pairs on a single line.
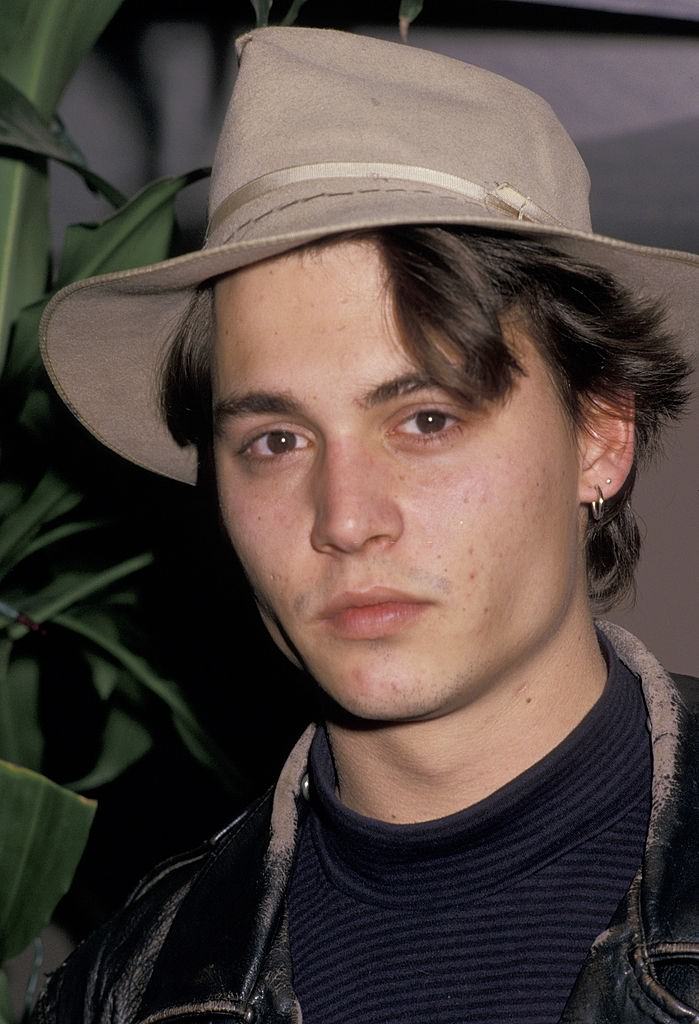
[[606, 445]]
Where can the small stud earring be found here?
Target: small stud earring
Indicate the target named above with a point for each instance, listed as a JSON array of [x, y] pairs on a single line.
[[597, 505]]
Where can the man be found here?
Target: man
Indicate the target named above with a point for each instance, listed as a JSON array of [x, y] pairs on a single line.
[[422, 386]]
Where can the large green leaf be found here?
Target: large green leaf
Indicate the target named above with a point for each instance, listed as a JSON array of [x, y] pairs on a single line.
[[137, 234], [41, 45], [12, 493], [71, 587], [24, 240], [44, 41], [63, 532], [43, 831], [22, 358], [26, 132], [51, 497], [105, 673], [199, 742], [124, 742], [21, 738]]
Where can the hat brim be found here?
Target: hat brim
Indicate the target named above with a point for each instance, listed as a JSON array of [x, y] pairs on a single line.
[[103, 339]]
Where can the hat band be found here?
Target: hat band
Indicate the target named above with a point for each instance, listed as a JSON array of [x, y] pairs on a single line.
[[504, 198]]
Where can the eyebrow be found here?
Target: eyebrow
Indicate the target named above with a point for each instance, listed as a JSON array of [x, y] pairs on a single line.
[[281, 403]]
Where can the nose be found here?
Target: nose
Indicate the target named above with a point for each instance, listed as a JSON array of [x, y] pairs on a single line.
[[355, 504]]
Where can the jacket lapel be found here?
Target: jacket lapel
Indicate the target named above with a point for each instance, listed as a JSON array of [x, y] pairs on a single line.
[[640, 969], [226, 952]]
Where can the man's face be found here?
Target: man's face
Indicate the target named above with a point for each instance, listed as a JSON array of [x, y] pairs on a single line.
[[416, 553]]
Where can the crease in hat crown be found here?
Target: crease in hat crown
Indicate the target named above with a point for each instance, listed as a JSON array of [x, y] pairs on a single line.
[[327, 131], [318, 106]]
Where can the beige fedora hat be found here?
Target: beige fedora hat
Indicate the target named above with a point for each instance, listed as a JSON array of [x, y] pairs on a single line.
[[329, 131]]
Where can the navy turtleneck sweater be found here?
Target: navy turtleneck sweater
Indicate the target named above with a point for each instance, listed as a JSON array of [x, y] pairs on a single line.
[[485, 916]]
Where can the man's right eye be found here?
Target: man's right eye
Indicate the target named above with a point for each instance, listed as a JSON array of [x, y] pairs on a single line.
[[274, 443]]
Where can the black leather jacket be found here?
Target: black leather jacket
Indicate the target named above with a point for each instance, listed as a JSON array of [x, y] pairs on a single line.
[[205, 937]]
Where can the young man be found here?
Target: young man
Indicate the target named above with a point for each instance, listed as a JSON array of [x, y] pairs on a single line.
[[422, 386]]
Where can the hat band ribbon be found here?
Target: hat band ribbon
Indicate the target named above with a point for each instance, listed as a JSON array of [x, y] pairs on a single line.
[[504, 199]]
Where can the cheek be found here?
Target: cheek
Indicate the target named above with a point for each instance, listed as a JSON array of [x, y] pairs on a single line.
[[489, 514], [263, 533]]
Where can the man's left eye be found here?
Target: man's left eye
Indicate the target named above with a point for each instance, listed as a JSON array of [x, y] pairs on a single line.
[[427, 421]]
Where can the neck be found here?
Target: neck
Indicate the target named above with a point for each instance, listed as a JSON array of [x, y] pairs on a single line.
[[421, 770]]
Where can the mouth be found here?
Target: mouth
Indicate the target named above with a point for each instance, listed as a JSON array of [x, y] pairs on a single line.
[[371, 614]]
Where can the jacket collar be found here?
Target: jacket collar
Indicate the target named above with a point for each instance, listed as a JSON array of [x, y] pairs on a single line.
[[227, 949], [645, 967], [668, 895]]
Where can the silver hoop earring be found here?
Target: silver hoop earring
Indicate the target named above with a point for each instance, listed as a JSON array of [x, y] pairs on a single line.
[[597, 505]]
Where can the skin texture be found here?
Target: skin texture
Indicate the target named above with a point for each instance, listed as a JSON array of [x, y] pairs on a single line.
[[488, 658]]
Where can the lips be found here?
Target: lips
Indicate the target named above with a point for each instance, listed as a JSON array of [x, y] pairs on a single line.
[[371, 614]]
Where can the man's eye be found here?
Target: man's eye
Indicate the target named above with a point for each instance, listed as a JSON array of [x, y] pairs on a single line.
[[427, 421], [276, 442]]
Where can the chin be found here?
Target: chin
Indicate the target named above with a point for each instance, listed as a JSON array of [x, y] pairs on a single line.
[[377, 700]]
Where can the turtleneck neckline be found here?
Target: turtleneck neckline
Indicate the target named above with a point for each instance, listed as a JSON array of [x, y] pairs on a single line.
[[572, 794]]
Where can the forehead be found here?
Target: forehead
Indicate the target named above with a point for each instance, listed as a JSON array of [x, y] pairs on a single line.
[[305, 310]]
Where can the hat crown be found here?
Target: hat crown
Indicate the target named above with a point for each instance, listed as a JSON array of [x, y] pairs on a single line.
[[317, 96]]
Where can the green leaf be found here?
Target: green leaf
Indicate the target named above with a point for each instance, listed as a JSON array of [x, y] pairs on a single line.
[[408, 12], [69, 588], [293, 12], [44, 42], [51, 497], [43, 831], [125, 741], [36, 414], [137, 234], [262, 9], [41, 45], [62, 532], [24, 240], [11, 497], [105, 674], [21, 738], [26, 132], [202, 745], [23, 357]]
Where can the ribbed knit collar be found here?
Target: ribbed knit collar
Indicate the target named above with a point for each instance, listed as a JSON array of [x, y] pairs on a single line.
[[578, 790]]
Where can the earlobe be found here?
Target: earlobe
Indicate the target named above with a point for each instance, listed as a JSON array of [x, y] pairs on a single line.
[[607, 455]]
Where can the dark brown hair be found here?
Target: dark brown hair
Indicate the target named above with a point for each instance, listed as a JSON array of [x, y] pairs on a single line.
[[453, 290]]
